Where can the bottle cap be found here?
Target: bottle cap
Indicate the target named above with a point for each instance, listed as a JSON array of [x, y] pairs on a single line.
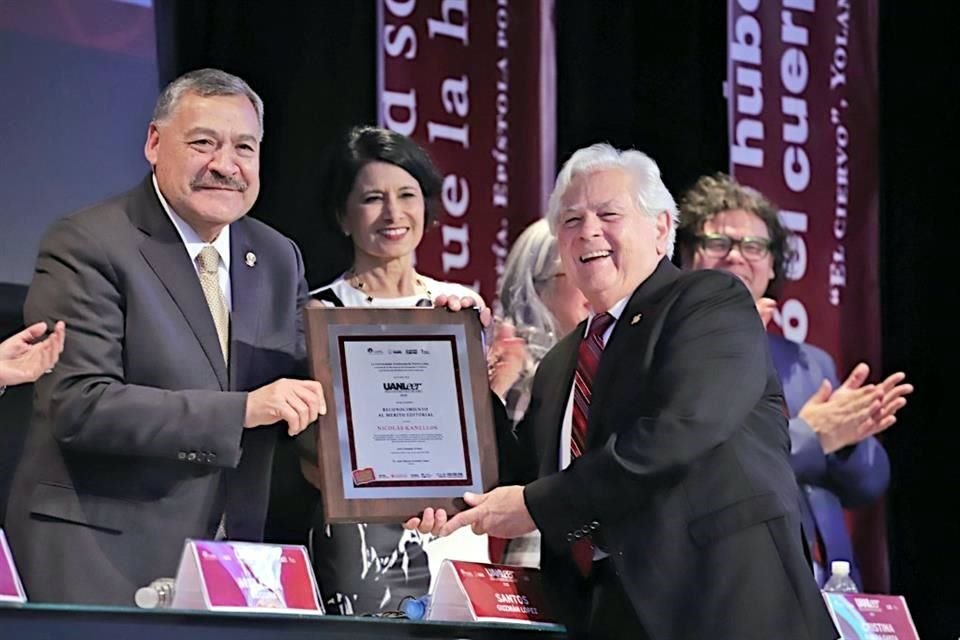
[[416, 608], [147, 597], [840, 567]]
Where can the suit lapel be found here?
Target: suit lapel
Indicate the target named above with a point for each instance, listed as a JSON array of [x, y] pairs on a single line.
[[246, 280], [164, 251], [555, 398], [629, 348]]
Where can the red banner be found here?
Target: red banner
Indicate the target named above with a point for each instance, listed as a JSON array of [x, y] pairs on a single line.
[[802, 96], [802, 100], [473, 83]]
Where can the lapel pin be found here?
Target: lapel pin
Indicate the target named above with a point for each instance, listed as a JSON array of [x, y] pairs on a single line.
[[250, 258], [635, 319]]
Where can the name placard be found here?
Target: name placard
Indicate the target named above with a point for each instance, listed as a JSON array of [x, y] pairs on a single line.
[[244, 576], [864, 616], [471, 591], [11, 589]]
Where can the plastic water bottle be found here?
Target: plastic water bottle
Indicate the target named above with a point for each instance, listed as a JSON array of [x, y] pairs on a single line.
[[416, 608], [840, 580], [157, 595]]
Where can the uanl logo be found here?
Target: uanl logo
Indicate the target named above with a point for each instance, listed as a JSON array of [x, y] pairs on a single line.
[[499, 574], [402, 386], [867, 604]]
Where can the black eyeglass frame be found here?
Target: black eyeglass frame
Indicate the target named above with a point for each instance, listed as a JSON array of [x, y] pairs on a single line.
[[762, 246]]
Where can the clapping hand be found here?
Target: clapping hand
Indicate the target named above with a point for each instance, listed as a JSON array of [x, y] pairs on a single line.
[[27, 355], [766, 307], [506, 358], [854, 411]]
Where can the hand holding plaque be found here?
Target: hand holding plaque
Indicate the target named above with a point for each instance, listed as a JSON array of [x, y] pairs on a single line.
[[501, 512]]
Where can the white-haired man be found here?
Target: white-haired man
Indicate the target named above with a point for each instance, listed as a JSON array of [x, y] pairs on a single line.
[[654, 455]]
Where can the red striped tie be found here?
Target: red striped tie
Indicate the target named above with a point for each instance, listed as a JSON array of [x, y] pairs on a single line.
[[588, 361]]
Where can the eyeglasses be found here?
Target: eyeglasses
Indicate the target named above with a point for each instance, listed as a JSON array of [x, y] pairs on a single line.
[[717, 245]]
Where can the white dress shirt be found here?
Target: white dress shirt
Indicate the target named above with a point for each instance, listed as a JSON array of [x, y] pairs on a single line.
[[194, 245]]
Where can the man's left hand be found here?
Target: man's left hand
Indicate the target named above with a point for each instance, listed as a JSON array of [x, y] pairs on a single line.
[[501, 513]]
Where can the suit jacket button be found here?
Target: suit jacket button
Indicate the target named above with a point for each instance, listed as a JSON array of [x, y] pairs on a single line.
[[192, 456], [211, 457], [569, 537], [594, 525], [182, 455], [578, 534]]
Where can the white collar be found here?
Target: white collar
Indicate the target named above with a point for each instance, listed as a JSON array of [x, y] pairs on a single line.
[[190, 239], [616, 310]]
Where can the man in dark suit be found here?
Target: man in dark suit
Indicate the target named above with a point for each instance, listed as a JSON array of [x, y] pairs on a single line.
[[654, 456], [183, 319]]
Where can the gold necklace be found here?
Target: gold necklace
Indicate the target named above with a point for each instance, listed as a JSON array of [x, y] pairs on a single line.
[[360, 286]]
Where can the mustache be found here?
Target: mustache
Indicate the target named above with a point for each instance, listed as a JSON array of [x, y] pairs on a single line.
[[216, 181]]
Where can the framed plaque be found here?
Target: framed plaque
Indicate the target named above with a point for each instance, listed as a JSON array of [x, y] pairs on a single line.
[[409, 421]]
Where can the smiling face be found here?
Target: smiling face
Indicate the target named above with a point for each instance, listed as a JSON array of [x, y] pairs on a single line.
[[607, 244], [384, 213], [738, 224], [206, 157]]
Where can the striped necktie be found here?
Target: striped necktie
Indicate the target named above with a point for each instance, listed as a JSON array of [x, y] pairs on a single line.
[[588, 361]]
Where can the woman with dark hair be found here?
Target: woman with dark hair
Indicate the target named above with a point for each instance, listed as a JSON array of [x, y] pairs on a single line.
[[381, 192]]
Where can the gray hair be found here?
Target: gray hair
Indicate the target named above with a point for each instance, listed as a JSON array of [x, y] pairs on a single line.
[[205, 83], [532, 261], [650, 194]]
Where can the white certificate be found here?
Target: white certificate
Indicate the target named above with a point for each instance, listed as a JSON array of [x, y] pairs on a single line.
[[405, 412]]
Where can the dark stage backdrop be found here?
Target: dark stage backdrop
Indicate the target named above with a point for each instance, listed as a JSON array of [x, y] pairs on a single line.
[[918, 213], [79, 80], [649, 74]]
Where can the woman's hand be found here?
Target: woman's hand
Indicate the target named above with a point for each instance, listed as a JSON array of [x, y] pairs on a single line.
[[454, 303], [506, 359], [766, 307], [27, 355]]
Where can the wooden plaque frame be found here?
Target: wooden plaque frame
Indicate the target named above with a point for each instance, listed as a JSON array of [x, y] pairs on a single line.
[[381, 323]]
